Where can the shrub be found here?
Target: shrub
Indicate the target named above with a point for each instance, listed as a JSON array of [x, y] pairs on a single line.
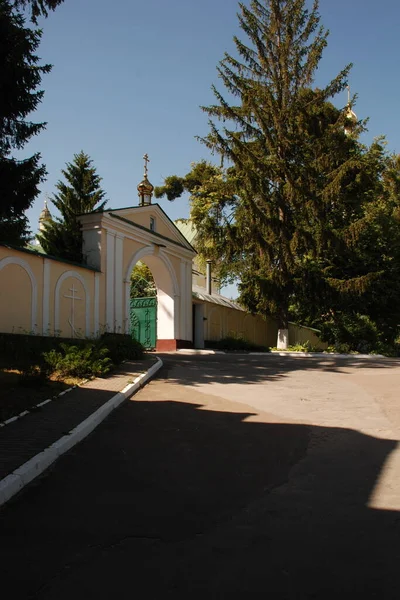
[[358, 333], [36, 357], [73, 361], [351, 333], [121, 347], [236, 344], [301, 347], [25, 352]]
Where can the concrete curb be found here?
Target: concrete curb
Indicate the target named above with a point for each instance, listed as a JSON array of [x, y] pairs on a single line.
[[13, 483], [278, 353]]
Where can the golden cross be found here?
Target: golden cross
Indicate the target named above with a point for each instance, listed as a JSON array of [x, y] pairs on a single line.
[[146, 160]]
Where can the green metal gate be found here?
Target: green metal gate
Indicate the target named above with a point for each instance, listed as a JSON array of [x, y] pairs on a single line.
[[144, 321]]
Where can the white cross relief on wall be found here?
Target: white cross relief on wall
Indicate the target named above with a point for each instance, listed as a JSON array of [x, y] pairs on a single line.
[[71, 319]]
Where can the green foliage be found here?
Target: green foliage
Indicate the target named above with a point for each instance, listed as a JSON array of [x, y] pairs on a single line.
[[304, 347], [142, 282], [356, 333], [121, 347], [235, 344], [212, 195], [288, 148], [73, 361], [173, 188], [36, 356], [20, 77], [264, 212], [302, 214], [38, 7], [79, 195]]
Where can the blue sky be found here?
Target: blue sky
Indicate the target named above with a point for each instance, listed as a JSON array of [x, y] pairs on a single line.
[[129, 76]]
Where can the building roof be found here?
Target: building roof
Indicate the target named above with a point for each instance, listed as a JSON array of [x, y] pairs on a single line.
[[187, 229], [200, 294]]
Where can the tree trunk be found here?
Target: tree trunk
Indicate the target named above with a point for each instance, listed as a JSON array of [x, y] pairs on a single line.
[[283, 331]]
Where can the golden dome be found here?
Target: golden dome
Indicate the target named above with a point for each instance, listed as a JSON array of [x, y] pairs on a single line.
[[45, 215], [145, 187], [351, 117]]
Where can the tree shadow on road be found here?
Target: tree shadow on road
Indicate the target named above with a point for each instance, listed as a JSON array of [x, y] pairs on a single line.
[[248, 369], [178, 500]]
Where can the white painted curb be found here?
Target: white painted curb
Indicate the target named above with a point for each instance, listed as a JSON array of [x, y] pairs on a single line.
[[278, 353], [13, 483], [320, 354], [199, 351]]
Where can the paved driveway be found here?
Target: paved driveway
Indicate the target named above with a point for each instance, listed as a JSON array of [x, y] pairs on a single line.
[[226, 477]]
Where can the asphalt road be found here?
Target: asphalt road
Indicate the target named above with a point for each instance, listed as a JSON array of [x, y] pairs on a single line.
[[225, 477]]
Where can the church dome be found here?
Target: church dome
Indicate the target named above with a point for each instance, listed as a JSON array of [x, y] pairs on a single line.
[[44, 216], [145, 187], [351, 117]]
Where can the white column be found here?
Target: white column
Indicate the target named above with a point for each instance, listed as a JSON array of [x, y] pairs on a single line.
[[118, 282], [182, 301], [46, 297], [127, 287], [110, 248], [189, 302], [283, 339]]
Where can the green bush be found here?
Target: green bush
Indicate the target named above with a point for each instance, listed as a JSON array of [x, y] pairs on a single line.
[[351, 333], [121, 347], [357, 333], [73, 361], [236, 344], [36, 356], [301, 347]]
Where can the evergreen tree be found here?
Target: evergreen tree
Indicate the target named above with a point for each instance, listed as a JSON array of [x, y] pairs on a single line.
[[269, 137], [20, 77], [368, 254], [80, 194], [283, 214], [38, 7]]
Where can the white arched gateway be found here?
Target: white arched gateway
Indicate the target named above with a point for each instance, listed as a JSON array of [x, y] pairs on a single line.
[[114, 241]]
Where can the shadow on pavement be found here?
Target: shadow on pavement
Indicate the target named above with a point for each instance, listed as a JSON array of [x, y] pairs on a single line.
[[248, 369], [169, 499]]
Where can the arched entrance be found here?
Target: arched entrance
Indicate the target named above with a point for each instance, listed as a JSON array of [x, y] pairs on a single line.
[[153, 317], [113, 242], [143, 306]]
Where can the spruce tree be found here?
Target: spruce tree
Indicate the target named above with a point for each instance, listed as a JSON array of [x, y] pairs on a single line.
[[266, 137], [300, 198], [37, 7], [81, 193], [20, 77]]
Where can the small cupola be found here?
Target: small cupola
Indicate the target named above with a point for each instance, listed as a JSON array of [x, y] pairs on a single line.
[[44, 217], [350, 116], [145, 188]]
